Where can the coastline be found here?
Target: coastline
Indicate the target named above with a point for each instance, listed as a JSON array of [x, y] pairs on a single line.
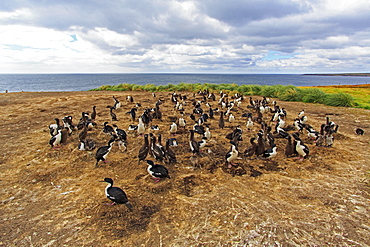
[[339, 86], [342, 74]]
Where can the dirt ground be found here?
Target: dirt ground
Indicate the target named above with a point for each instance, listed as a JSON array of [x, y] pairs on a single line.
[[52, 196]]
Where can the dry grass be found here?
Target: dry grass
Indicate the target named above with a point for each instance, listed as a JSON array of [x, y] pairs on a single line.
[[52, 197]]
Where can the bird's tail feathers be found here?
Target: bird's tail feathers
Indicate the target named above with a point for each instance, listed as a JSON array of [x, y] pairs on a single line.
[[129, 205]]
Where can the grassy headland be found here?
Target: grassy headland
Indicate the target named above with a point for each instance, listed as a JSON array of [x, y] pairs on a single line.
[[360, 93], [345, 95], [342, 74]]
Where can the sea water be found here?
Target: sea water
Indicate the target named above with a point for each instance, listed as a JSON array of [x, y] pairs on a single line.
[[84, 82]]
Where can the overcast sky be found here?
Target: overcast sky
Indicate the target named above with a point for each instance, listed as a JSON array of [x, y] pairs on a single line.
[[204, 36]]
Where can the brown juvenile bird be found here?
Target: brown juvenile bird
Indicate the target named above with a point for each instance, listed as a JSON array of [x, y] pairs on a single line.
[[250, 151], [221, 122], [93, 114], [144, 150]]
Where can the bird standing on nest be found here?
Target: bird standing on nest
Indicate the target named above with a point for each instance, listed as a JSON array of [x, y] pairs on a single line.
[[56, 139], [102, 152], [270, 153], [144, 150], [251, 150], [112, 114], [194, 145], [157, 171], [117, 104], [221, 121], [140, 127], [302, 149], [232, 155], [173, 128], [115, 194]]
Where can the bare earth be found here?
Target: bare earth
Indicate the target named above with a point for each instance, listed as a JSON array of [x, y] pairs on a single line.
[[52, 197]]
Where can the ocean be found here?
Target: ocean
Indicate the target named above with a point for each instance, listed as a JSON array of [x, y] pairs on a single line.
[[84, 82]]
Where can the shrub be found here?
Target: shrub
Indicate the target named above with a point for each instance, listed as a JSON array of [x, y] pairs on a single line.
[[268, 91], [292, 94], [339, 99], [150, 88], [313, 95], [255, 89], [245, 89]]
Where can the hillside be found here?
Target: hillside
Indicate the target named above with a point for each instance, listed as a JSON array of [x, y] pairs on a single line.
[[53, 197]]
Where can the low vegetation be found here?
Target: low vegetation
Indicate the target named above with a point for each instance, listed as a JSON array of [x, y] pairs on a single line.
[[359, 93], [345, 96]]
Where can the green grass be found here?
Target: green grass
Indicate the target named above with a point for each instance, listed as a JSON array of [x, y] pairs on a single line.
[[345, 96], [359, 93]]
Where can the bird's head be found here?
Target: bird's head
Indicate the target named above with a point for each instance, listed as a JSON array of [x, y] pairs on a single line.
[[108, 180], [150, 162]]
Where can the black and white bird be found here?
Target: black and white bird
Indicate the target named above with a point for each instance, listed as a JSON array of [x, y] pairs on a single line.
[[53, 128], [311, 132], [157, 171], [232, 154], [68, 125], [270, 153], [281, 133], [173, 142], [129, 98], [120, 133], [56, 139], [199, 129], [302, 149], [115, 194], [301, 114], [202, 143], [86, 145], [122, 145], [132, 113], [359, 131], [107, 129], [154, 127], [117, 103], [102, 152], [132, 128]]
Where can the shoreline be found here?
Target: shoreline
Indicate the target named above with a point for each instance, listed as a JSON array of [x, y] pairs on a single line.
[[342, 74], [367, 85], [339, 86]]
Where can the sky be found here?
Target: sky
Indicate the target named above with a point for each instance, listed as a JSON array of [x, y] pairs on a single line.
[[175, 36]]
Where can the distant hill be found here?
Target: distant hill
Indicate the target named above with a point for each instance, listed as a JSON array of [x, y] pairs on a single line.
[[342, 74]]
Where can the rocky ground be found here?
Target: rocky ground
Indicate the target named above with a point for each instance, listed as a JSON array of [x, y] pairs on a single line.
[[52, 196]]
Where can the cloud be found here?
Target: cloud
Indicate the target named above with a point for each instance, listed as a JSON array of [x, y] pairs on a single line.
[[283, 36]]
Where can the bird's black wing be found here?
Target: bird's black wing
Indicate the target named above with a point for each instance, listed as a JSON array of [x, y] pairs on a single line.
[[117, 195]]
